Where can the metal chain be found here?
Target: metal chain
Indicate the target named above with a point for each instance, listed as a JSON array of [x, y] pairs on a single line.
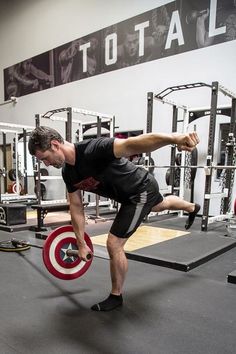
[[223, 178], [223, 182], [232, 177], [187, 171]]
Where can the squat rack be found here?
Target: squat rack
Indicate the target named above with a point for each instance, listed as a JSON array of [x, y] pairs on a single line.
[[19, 131], [103, 120], [215, 89]]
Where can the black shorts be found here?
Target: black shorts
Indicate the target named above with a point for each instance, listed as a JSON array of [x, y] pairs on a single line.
[[132, 213]]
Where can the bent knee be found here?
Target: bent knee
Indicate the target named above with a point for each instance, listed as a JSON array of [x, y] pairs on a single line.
[[161, 206], [115, 244]]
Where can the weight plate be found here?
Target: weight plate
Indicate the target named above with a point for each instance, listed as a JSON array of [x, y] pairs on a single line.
[[7, 246], [55, 258]]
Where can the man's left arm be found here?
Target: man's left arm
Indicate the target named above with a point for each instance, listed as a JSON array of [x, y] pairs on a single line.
[[145, 143]]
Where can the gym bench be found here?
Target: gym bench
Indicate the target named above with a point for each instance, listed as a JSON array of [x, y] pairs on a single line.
[[44, 209]]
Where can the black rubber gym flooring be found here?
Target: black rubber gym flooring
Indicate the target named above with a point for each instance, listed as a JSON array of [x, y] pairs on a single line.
[[165, 311]]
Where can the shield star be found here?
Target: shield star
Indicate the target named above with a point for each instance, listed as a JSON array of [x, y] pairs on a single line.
[[65, 254]]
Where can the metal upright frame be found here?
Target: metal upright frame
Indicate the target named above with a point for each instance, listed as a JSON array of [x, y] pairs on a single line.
[[175, 107], [231, 155], [215, 89], [4, 157], [210, 154]]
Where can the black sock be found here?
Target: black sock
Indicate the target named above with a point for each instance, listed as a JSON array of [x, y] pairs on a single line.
[[191, 216], [109, 304]]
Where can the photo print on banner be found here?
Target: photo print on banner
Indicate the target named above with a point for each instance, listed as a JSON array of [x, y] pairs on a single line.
[[171, 29]]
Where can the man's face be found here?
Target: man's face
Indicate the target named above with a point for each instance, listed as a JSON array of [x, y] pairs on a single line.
[[51, 157], [26, 66], [132, 44]]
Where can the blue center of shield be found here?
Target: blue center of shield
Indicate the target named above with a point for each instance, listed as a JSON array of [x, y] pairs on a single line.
[[63, 253]]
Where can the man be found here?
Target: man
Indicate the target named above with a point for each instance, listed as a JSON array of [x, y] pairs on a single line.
[[70, 61], [25, 78], [128, 51], [100, 166], [226, 17]]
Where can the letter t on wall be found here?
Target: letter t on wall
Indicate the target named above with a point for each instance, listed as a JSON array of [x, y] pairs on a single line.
[[140, 27]]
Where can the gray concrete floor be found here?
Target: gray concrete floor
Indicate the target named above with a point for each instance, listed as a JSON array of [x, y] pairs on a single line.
[[165, 311]]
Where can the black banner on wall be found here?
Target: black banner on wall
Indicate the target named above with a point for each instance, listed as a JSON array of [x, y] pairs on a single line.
[[178, 27]]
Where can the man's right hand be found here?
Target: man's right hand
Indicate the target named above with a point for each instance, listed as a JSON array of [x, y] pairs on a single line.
[[84, 253], [187, 142]]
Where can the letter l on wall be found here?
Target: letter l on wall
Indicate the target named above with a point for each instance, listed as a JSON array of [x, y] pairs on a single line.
[[213, 31]]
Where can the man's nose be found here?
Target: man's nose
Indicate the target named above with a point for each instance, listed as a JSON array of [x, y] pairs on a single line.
[[46, 163]]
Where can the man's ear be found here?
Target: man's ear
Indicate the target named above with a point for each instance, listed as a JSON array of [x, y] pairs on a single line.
[[55, 145]]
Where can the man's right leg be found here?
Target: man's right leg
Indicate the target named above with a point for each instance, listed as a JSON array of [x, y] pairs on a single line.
[[118, 262], [127, 220]]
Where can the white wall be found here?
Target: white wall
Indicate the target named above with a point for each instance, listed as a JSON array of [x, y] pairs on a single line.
[[31, 27], [28, 28]]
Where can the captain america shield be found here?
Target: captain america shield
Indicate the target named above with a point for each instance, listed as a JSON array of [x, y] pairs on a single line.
[[55, 257]]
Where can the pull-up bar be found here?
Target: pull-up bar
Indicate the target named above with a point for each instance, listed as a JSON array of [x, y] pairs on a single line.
[[77, 110], [170, 89]]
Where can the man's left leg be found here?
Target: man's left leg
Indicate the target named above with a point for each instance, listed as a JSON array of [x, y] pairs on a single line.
[[172, 202]]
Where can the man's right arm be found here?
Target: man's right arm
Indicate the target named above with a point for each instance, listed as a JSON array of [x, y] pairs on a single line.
[[153, 141], [202, 36], [78, 222]]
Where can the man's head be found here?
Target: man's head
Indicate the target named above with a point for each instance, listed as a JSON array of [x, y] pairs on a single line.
[[26, 65], [45, 144], [131, 43]]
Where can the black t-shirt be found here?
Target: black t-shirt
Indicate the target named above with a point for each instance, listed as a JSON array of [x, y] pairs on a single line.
[[97, 170]]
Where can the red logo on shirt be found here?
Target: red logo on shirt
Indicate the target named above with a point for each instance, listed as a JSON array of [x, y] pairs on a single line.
[[87, 184]]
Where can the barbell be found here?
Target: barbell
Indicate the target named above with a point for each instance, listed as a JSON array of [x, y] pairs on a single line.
[[214, 167], [59, 252]]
